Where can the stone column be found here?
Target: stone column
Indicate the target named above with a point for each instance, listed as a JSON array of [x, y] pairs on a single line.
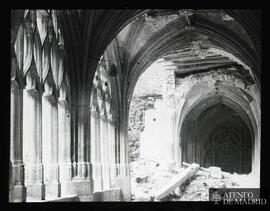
[[74, 139], [88, 153], [32, 144], [122, 164], [178, 147], [81, 164], [104, 148], [17, 189], [64, 152], [81, 185], [50, 145], [117, 143], [95, 148], [123, 179], [112, 161], [82, 126]]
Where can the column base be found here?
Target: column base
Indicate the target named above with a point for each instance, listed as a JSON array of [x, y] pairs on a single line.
[[52, 190], [124, 168], [113, 182], [65, 188], [97, 184], [97, 176], [77, 187], [112, 175], [65, 171], [82, 169], [124, 184], [106, 176], [89, 170], [17, 194], [106, 184], [36, 191]]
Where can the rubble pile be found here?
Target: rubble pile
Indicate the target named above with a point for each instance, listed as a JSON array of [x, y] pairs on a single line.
[[148, 176]]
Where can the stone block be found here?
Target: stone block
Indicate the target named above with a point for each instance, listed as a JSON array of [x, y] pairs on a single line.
[[77, 187], [177, 181], [35, 191], [215, 172], [97, 184], [106, 183], [66, 199], [52, 190], [86, 198], [17, 194], [108, 195]]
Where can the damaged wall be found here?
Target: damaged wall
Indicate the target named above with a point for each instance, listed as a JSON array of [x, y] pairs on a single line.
[[151, 114], [170, 130], [226, 86]]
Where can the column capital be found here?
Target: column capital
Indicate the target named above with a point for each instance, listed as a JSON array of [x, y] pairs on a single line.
[[111, 118], [62, 94], [94, 110], [14, 87], [103, 113], [103, 116], [48, 89]]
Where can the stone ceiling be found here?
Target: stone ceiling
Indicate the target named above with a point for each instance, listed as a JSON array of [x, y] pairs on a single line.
[[195, 54]]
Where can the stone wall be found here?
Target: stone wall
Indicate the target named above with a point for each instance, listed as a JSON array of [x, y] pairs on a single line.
[[137, 122], [155, 83]]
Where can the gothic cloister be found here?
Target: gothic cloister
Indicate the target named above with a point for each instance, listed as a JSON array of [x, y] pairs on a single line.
[[73, 73]]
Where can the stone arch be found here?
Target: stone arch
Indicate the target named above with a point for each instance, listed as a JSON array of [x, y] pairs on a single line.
[[209, 100]]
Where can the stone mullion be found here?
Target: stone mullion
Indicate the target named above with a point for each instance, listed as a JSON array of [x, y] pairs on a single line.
[[18, 190]]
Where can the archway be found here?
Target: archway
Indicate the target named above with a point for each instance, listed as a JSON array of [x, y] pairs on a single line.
[[218, 136]]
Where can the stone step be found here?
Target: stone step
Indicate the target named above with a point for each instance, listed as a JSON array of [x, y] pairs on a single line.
[[73, 198], [113, 194]]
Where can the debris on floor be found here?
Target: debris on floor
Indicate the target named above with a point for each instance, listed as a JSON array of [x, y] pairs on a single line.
[[149, 176]]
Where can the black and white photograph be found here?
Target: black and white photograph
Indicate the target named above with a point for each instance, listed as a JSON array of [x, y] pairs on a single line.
[[135, 105]]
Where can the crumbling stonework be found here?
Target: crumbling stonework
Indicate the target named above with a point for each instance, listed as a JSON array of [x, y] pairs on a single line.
[[136, 123], [148, 124], [155, 86]]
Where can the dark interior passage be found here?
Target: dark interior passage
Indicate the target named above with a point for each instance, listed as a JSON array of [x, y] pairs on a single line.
[[217, 137]]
